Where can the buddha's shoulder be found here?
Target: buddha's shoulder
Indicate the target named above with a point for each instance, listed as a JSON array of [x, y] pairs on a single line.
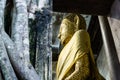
[[82, 31]]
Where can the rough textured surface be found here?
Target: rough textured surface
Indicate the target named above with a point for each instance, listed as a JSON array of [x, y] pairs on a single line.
[[115, 28], [2, 7], [1, 78], [20, 29], [114, 20], [21, 64], [43, 50], [5, 64], [25, 71]]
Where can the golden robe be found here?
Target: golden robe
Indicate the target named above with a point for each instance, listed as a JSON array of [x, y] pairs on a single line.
[[69, 55]]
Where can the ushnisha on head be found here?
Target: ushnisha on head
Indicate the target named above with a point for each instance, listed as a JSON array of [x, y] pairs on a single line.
[[70, 24]]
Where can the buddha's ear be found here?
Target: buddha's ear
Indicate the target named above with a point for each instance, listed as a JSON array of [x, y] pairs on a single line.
[[76, 20]]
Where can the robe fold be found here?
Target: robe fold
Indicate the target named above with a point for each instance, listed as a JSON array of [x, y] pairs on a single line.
[[68, 56]]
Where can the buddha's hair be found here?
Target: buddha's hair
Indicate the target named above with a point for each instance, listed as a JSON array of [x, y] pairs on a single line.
[[72, 18]]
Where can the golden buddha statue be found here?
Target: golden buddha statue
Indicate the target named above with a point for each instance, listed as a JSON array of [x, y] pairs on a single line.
[[76, 61]]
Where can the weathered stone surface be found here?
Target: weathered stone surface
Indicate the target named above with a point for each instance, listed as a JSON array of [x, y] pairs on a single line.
[[43, 49], [115, 28], [20, 63], [5, 64]]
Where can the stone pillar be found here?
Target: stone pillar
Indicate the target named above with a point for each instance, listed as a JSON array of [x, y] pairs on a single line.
[[43, 63]]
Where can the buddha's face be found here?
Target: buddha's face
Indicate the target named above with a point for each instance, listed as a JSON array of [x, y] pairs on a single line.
[[64, 34]]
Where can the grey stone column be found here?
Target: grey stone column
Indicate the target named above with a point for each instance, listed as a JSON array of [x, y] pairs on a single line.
[[43, 63]]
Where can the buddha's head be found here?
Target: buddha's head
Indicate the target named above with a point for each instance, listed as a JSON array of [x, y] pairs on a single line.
[[70, 24]]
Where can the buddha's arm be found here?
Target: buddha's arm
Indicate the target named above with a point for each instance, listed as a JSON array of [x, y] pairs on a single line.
[[81, 69]]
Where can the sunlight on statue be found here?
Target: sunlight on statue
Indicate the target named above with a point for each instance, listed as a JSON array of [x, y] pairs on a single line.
[[76, 60]]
